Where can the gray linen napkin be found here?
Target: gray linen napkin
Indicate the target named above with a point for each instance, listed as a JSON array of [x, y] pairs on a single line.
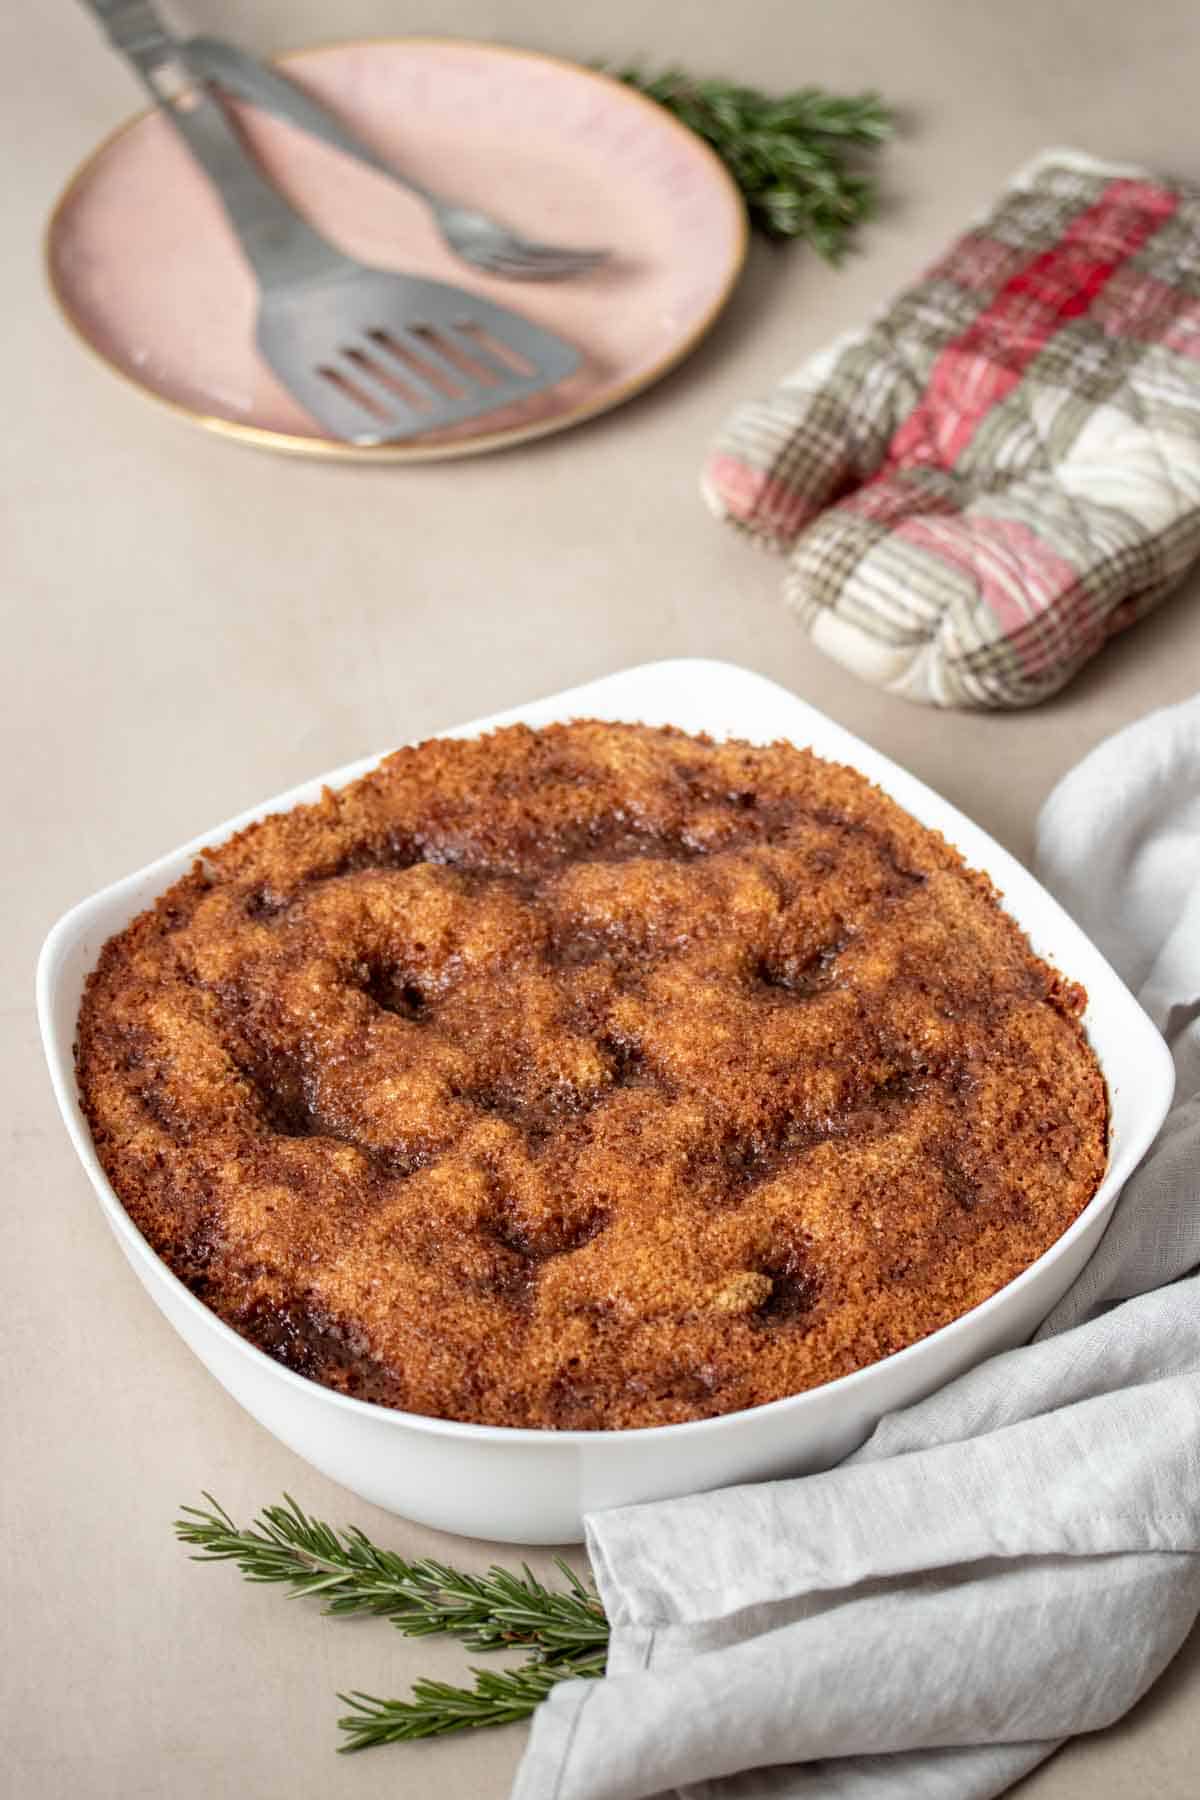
[[1009, 1562]]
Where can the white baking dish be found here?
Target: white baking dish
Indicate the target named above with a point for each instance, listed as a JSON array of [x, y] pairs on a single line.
[[527, 1486]]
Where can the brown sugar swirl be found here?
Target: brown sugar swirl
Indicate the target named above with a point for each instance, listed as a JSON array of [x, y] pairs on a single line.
[[588, 1077]]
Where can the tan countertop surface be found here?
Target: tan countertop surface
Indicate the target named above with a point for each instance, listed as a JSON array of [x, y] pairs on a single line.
[[190, 626]]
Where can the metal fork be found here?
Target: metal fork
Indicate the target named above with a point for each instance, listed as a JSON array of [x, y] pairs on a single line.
[[373, 355], [474, 236], [477, 238]]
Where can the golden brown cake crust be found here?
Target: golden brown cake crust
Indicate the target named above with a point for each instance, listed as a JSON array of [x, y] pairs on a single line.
[[587, 1077]]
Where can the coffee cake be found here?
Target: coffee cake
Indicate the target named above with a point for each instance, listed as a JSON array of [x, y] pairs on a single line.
[[589, 1077]]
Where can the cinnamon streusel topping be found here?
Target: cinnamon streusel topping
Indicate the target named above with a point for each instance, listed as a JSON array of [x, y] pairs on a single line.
[[587, 1077]]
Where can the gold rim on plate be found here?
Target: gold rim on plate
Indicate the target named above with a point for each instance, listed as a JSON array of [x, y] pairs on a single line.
[[287, 443]]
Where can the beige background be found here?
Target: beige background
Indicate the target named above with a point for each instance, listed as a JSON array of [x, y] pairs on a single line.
[[190, 626]]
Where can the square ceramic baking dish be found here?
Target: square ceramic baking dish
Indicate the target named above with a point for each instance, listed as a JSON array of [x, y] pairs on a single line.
[[530, 1486]]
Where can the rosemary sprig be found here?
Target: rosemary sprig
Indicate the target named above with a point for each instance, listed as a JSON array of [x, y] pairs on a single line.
[[794, 156], [499, 1697], [350, 1574], [565, 1630]]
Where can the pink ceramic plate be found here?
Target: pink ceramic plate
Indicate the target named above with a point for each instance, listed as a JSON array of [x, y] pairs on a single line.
[[144, 266]]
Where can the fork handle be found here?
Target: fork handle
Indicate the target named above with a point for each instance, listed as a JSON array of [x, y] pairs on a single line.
[[214, 59], [279, 245]]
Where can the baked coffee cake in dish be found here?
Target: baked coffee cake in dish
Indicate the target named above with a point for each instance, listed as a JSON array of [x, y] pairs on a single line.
[[590, 1076]]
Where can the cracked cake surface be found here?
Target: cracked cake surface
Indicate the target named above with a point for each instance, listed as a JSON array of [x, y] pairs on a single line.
[[592, 1076]]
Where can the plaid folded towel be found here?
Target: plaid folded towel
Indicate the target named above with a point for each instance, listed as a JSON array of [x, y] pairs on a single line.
[[1004, 469]]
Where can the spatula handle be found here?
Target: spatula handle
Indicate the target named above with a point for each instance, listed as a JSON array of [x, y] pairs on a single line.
[[278, 243]]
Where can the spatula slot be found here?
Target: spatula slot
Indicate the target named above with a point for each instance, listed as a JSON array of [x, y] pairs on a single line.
[[376, 369], [350, 390], [445, 345], [420, 361], [494, 347]]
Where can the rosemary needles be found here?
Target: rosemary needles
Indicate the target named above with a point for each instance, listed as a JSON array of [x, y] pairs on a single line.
[[563, 1629], [796, 157], [499, 1697]]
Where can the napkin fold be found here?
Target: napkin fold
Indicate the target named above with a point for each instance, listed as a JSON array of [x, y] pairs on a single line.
[[1009, 1562], [1003, 469]]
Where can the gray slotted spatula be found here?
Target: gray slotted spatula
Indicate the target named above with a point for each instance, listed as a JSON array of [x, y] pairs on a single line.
[[372, 354]]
